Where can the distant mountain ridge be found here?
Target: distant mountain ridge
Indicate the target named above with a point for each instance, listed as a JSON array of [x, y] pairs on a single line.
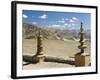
[[31, 31]]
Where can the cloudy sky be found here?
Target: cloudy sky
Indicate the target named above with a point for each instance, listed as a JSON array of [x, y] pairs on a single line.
[[62, 20]]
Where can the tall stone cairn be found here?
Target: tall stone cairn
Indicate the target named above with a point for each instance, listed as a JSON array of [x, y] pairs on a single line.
[[81, 41], [39, 44], [39, 56]]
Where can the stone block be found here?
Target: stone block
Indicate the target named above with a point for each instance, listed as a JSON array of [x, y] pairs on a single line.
[[40, 58], [82, 60]]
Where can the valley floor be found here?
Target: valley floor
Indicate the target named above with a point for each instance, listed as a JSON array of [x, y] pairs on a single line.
[[57, 48]]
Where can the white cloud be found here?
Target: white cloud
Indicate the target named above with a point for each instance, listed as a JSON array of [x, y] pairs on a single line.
[[55, 25], [34, 23], [74, 18], [66, 24], [44, 16], [71, 20], [25, 16], [61, 21]]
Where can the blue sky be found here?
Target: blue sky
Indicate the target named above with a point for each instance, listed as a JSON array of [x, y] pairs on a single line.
[[62, 20]]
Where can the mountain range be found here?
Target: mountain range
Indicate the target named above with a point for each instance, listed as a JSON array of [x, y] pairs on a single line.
[[31, 31]]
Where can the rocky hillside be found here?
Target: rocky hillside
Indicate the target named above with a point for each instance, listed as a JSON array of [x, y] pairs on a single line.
[[31, 31]]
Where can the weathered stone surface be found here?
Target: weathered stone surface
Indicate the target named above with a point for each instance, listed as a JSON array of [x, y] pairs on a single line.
[[40, 54], [82, 60]]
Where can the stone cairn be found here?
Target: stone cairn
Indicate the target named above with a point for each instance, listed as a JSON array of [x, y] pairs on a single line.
[[40, 54], [81, 41], [82, 58]]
